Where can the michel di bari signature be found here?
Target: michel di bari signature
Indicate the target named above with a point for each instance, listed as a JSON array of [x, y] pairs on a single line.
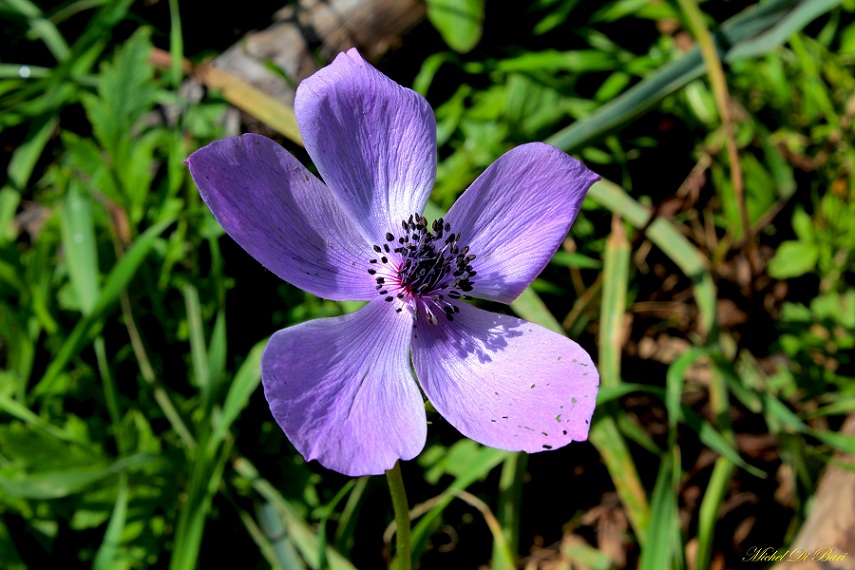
[[771, 554]]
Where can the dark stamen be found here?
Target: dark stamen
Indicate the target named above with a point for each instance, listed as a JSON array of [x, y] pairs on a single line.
[[430, 265]]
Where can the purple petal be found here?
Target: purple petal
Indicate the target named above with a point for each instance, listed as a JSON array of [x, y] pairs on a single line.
[[373, 141], [505, 382], [283, 216], [342, 390], [515, 215]]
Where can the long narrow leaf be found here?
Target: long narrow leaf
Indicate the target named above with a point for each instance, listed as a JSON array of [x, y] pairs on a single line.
[[753, 32], [116, 281], [105, 558], [302, 536]]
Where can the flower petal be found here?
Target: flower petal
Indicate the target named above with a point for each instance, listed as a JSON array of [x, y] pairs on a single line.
[[373, 141], [283, 216], [515, 215], [505, 382], [342, 390]]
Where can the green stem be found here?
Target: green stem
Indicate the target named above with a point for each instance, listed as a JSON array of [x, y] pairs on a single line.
[[403, 559], [110, 394], [510, 502]]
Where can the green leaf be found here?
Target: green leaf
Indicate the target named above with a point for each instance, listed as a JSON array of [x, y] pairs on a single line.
[[43, 28], [578, 260], [615, 283], [456, 461], [205, 478], [586, 556], [58, 484], [125, 93], [803, 225], [668, 238], [78, 242], [530, 307], [459, 22], [660, 547], [555, 18], [479, 466], [611, 445], [711, 438], [576, 61], [21, 168], [299, 533], [674, 382], [242, 386], [841, 441], [116, 281], [275, 532], [793, 258], [753, 32], [105, 558]]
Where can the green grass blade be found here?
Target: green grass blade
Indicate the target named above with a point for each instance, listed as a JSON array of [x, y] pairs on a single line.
[[630, 429], [62, 483], [714, 496], [666, 236], [611, 445], [604, 433], [610, 393], [587, 557], [692, 262], [81, 251], [487, 459], [509, 509], [207, 472], [711, 437], [326, 513], [106, 557], [95, 36], [301, 535], [615, 283], [109, 392], [530, 306], [116, 281], [659, 548], [217, 349], [753, 32], [242, 386], [674, 383], [276, 534], [198, 350], [43, 28], [176, 44], [20, 169], [350, 516], [797, 16], [23, 413]]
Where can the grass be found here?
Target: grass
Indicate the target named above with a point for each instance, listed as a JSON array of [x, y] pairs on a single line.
[[710, 272]]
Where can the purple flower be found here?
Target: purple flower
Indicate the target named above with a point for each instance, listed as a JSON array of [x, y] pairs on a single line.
[[342, 388]]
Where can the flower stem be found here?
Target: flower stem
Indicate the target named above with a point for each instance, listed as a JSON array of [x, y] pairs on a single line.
[[402, 559]]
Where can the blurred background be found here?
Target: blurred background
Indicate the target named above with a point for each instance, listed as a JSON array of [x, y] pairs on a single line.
[[710, 275]]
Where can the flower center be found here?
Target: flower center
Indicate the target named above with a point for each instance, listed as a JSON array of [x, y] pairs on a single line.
[[424, 269]]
